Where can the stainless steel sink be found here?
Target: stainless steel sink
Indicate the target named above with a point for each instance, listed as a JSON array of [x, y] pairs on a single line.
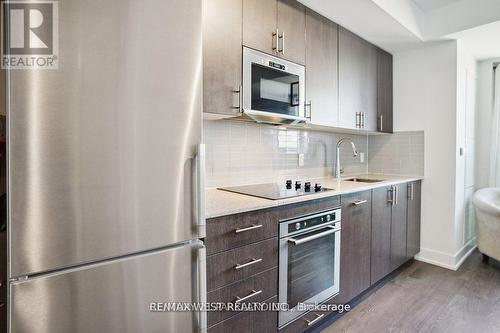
[[363, 180]]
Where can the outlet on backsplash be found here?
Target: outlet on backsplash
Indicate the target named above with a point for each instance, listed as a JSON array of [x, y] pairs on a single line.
[[301, 160]]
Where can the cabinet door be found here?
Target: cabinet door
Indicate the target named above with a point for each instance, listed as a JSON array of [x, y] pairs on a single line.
[[321, 69], [398, 227], [292, 28], [357, 81], [384, 91], [413, 233], [381, 233], [221, 55], [355, 245], [259, 24]]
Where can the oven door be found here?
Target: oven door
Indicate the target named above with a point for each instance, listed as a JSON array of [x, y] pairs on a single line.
[[273, 89], [309, 269]]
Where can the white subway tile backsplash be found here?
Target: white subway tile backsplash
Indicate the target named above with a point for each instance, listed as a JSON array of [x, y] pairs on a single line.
[[246, 153]]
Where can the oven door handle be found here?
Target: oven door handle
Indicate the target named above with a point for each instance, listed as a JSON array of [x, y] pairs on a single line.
[[316, 236]]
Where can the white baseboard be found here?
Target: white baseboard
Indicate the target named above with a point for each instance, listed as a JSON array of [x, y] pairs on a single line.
[[445, 260]]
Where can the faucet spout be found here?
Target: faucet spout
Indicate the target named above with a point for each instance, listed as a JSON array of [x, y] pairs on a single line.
[[337, 162]]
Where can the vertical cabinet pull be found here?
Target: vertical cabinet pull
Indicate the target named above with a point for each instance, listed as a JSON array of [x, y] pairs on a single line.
[[238, 92], [410, 192], [358, 119], [309, 106], [276, 43], [363, 120], [396, 194], [282, 37], [381, 118]]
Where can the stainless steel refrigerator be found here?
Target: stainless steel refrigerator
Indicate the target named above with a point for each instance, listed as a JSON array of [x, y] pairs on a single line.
[[105, 172]]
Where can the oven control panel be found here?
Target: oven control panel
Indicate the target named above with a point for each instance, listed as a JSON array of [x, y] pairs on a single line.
[[312, 221]]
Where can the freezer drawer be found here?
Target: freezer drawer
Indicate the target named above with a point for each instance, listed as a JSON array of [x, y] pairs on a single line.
[[101, 150], [114, 296]]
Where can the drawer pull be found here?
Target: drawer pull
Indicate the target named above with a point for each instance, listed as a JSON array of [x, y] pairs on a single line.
[[312, 322], [253, 294], [252, 227], [359, 202], [251, 262]]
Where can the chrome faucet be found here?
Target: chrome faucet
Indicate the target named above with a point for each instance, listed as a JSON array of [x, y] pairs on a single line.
[[337, 163]]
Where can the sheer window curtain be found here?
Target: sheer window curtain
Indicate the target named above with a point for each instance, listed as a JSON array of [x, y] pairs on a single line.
[[495, 133]]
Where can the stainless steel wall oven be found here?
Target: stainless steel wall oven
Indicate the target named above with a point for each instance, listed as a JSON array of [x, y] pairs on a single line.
[[309, 261]]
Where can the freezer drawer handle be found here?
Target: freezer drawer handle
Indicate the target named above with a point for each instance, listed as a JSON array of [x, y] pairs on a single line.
[[359, 202], [252, 227], [253, 294], [312, 322], [251, 262]]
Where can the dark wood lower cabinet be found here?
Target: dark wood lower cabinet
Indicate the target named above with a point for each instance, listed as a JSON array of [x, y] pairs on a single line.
[[381, 233], [249, 322], [355, 245], [263, 286], [413, 225], [398, 227]]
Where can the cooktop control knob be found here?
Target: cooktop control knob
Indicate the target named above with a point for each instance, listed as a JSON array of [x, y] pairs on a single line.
[[298, 184], [328, 218], [297, 226], [307, 186], [288, 184], [317, 188]]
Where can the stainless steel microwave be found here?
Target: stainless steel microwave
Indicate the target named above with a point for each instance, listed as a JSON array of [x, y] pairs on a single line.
[[273, 89]]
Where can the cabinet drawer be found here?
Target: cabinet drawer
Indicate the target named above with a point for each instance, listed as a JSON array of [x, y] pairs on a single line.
[[263, 286], [229, 232], [238, 264], [305, 322], [308, 207], [249, 322]]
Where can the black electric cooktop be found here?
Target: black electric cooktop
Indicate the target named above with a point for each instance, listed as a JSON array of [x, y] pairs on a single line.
[[275, 191]]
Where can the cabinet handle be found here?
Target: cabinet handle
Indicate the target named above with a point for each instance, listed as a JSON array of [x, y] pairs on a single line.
[[381, 117], [364, 115], [253, 294], [276, 43], [410, 191], [357, 119], [282, 37], [391, 197], [238, 91], [252, 227], [312, 322], [250, 263], [359, 202], [396, 194], [309, 105]]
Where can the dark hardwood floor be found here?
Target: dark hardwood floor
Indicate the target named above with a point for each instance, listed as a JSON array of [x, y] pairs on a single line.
[[426, 298]]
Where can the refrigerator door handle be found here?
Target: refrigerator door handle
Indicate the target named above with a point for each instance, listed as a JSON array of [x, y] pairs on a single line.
[[202, 289], [200, 190]]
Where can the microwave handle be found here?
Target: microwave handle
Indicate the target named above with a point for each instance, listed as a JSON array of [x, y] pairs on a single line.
[[316, 236]]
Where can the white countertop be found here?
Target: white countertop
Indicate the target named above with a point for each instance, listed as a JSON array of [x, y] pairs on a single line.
[[220, 203]]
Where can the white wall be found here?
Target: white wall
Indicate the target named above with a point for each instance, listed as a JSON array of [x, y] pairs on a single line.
[[426, 98]]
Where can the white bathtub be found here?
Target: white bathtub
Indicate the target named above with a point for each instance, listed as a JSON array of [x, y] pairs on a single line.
[[487, 204]]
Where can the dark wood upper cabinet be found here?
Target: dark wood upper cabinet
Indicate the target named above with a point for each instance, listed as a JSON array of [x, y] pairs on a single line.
[[357, 82], [292, 29], [222, 56], [259, 24], [381, 233], [384, 92], [321, 70], [413, 232], [276, 27], [355, 245], [398, 227]]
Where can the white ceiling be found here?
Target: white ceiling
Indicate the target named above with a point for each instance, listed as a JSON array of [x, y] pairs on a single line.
[[428, 5], [401, 25]]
